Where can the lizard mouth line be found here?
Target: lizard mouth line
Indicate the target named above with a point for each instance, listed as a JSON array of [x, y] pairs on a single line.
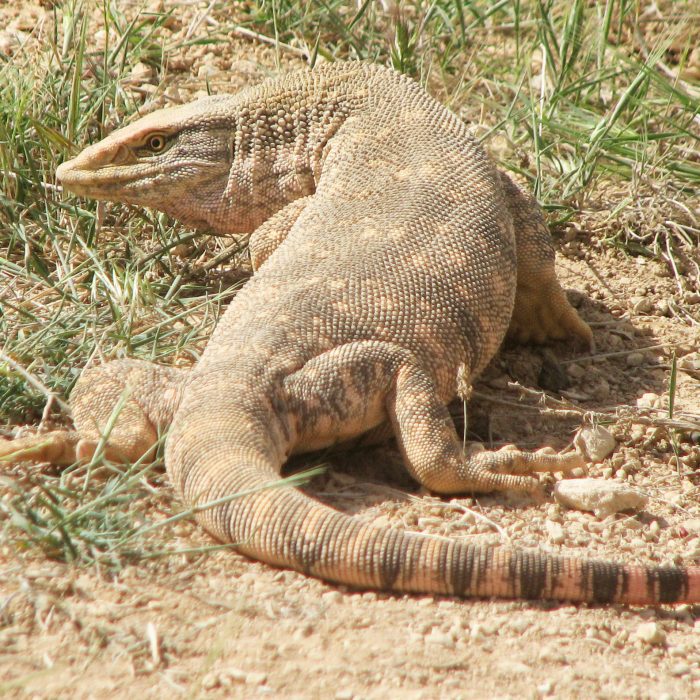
[[109, 177]]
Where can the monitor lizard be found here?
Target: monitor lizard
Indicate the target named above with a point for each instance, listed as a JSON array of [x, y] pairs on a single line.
[[388, 252]]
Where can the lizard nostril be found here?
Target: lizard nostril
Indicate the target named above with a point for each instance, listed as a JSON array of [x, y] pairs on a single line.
[[121, 155]]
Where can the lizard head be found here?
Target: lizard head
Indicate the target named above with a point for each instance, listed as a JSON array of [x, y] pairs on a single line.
[[177, 160]]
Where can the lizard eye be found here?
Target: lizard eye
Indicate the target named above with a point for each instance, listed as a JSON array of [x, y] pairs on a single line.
[[156, 143]]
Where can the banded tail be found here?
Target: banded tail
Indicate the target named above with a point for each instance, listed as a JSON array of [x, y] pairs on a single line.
[[284, 527]]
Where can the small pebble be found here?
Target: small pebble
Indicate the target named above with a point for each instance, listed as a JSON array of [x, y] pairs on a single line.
[[554, 513], [210, 681], [691, 526], [634, 359], [306, 630], [519, 625], [555, 532], [575, 371], [513, 668], [332, 597], [256, 678], [142, 72], [600, 496], [546, 687], [642, 305], [437, 637], [663, 308], [651, 633], [595, 442], [648, 400], [601, 390]]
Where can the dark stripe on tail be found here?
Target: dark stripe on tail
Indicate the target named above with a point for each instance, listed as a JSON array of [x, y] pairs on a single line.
[[600, 581], [460, 574], [393, 560], [667, 585], [484, 570], [528, 573]]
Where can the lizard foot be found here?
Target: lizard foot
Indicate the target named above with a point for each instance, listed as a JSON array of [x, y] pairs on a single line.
[[510, 468], [58, 447], [65, 447], [544, 314]]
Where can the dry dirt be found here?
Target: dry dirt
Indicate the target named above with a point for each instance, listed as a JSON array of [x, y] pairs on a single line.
[[219, 625]]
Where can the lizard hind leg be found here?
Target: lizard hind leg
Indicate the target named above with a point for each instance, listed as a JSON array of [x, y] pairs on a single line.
[[433, 452], [130, 402], [120, 406]]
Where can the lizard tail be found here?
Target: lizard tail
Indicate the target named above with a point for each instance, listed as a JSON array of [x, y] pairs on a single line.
[[284, 527]]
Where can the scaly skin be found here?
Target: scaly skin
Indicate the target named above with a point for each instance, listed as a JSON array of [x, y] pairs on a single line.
[[388, 252]]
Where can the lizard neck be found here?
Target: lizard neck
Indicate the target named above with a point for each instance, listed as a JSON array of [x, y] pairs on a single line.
[[279, 144]]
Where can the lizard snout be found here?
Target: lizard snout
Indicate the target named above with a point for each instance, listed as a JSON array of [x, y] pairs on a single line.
[[94, 170]]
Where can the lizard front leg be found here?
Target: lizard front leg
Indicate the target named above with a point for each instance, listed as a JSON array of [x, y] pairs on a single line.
[[265, 240], [541, 312], [128, 401]]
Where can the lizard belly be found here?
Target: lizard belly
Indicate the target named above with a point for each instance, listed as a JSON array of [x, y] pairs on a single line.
[[319, 431]]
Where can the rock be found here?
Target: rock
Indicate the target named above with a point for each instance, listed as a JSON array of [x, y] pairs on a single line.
[[691, 526], [651, 633], [690, 363], [142, 73], [595, 442], [477, 630], [555, 532], [552, 376], [663, 308], [601, 389], [680, 669], [11, 41], [332, 597], [520, 625], [229, 676], [207, 71], [648, 400], [437, 637], [510, 667], [600, 496], [546, 688], [575, 371], [344, 695], [256, 678], [634, 359], [211, 680], [499, 383], [642, 305]]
